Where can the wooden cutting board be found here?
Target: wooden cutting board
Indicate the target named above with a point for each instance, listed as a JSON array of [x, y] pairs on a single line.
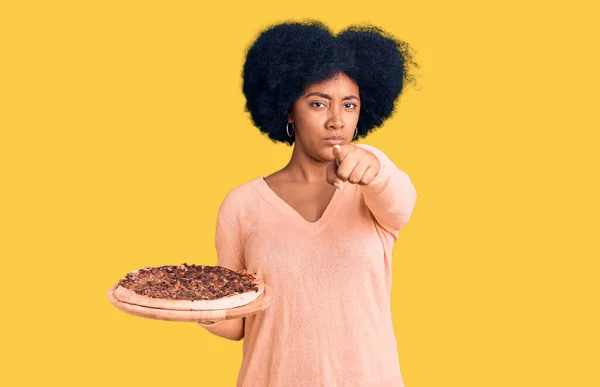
[[261, 303]]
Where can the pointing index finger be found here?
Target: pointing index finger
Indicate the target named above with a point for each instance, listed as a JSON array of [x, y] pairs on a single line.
[[339, 153]]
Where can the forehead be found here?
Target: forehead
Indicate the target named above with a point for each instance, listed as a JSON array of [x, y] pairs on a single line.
[[341, 83]]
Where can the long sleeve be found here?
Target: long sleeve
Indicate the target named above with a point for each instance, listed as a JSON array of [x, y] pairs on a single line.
[[229, 249], [228, 239], [228, 253], [391, 196]]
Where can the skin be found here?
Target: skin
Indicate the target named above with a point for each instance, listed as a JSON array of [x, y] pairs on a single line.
[[307, 183]]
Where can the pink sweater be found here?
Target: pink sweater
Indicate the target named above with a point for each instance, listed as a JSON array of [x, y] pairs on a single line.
[[330, 324]]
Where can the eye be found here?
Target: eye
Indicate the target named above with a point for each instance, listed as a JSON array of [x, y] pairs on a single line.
[[352, 105], [317, 102]]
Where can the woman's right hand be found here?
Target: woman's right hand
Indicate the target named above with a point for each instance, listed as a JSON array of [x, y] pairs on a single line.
[[229, 329], [206, 323]]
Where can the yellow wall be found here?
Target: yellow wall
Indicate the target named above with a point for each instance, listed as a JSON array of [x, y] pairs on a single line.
[[123, 126]]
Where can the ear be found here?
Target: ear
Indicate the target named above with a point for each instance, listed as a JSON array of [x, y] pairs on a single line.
[[290, 116]]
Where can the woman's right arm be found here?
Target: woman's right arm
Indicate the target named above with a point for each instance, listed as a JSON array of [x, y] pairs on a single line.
[[229, 249]]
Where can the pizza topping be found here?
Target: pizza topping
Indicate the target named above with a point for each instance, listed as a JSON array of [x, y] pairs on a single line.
[[189, 282]]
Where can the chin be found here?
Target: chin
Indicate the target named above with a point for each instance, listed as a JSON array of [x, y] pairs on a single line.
[[327, 153]]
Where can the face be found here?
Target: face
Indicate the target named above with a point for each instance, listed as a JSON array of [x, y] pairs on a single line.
[[325, 115]]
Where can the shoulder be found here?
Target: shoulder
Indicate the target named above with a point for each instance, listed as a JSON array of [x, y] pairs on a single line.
[[238, 200]]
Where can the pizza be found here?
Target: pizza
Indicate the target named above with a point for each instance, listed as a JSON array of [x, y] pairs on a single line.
[[188, 287]]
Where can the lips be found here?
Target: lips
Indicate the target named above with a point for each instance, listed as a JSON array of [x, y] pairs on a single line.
[[334, 140]]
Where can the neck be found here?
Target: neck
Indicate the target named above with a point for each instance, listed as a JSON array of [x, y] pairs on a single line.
[[305, 168]]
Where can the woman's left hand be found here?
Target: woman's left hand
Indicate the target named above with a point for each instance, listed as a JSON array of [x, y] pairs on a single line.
[[352, 164]]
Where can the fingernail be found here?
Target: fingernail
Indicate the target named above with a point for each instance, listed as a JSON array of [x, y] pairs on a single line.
[[336, 185]]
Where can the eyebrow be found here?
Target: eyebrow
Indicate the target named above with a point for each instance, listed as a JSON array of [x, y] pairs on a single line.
[[329, 97]]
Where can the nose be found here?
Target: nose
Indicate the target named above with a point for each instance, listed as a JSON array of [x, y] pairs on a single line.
[[335, 120]]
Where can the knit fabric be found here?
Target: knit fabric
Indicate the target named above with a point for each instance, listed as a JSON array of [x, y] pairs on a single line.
[[330, 324]]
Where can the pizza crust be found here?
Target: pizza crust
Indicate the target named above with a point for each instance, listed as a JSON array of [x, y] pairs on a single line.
[[131, 297], [257, 306]]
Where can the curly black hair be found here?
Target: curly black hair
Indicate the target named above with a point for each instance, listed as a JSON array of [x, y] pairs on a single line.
[[287, 57]]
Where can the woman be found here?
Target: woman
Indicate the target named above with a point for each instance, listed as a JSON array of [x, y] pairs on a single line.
[[320, 231]]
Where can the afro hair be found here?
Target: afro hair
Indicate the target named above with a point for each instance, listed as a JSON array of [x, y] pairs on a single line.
[[285, 58]]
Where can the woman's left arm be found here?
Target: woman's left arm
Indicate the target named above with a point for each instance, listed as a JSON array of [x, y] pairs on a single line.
[[388, 192], [390, 195]]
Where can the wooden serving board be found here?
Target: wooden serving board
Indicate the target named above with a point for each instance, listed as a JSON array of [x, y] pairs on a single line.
[[261, 303]]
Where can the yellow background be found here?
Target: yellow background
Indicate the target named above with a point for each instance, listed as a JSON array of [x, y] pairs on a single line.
[[122, 128]]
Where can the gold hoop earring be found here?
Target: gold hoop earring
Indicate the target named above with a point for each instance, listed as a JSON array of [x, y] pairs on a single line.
[[355, 133], [287, 129]]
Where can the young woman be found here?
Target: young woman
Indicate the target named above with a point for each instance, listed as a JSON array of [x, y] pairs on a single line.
[[320, 231]]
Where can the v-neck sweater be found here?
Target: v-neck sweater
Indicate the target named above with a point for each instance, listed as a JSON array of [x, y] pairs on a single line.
[[330, 323]]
